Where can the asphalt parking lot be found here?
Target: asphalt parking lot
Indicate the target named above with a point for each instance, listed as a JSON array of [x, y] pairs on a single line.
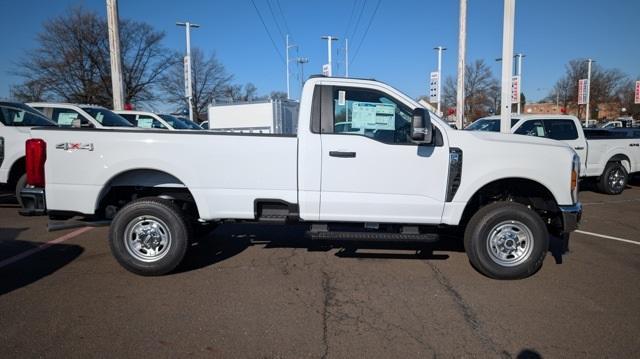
[[256, 291]]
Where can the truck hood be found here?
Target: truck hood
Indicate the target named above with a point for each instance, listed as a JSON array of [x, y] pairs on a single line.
[[505, 138]]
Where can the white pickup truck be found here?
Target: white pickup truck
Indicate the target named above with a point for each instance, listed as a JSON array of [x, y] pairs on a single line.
[[405, 177], [608, 156]]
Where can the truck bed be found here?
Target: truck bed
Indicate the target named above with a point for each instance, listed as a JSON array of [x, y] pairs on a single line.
[[225, 172]]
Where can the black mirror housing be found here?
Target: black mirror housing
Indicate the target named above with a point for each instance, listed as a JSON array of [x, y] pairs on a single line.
[[421, 129]]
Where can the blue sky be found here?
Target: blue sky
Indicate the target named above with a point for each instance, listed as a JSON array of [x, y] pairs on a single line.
[[397, 48]]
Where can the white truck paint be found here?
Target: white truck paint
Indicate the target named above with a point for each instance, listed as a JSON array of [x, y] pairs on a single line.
[[600, 151], [273, 116], [393, 174]]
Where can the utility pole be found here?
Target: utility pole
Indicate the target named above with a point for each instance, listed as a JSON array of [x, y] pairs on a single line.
[[440, 49], [114, 52], [329, 38], [462, 48], [287, 47], [586, 121], [519, 73], [507, 70], [346, 57], [301, 61], [187, 66]]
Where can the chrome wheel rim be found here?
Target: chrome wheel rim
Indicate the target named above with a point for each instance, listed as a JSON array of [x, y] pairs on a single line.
[[616, 179], [147, 238], [510, 243]]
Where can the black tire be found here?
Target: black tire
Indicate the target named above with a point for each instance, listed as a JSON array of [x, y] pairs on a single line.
[[478, 234], [608, 184], [22, 182], [169, 223]]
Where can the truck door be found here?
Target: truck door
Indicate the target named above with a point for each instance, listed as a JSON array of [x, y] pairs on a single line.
[[565, 130], [371, 171]]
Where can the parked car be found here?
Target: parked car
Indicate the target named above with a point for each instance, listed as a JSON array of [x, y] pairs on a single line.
[[204, 125], [15, 120], [194, 125], [407, 176], [84, 116], [145, 119], [608, 158]]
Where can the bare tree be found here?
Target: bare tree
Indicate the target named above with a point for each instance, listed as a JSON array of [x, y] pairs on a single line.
[[71, 62], [480, 91], [605, 85], [239, 93], [210, 82]]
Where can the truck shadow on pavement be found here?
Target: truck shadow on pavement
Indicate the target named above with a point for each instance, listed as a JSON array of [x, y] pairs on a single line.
[[230, 240], [17, 272]]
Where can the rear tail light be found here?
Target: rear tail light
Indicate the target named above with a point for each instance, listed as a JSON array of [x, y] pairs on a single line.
[[36, 152]]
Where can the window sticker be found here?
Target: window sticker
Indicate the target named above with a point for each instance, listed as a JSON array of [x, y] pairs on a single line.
[[341, 98], [373, 116], [18, 117], [66, 119], [540, 131], [145, 122]]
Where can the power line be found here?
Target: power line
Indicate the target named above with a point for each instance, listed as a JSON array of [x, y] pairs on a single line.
[[366, 31], [275, 47], [355, 28], [284, 19], [353, 11], [274, 19]]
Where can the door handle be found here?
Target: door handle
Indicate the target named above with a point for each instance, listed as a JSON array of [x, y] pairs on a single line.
[[342, 154], [579, 148]]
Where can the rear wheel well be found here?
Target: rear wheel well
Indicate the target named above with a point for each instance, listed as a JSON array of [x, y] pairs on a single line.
[[520, 190], [18, 168], [135, 184]]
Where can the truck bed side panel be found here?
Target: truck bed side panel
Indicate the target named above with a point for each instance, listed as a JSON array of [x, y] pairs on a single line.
[[225, 173]]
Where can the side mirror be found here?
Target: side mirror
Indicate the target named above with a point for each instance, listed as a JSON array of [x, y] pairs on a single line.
[[421, 129], [76, 123]]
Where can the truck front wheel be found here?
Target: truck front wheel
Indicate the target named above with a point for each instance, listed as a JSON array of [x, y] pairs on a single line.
[[506, 240], [149, 236]]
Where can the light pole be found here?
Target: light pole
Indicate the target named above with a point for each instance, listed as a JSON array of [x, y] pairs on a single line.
[[329, 38], [287, 47], [462, 48], [507, 69], [589, 61], [187, 66], [114, 52], [346, 57], [440, 49], [301, 61]]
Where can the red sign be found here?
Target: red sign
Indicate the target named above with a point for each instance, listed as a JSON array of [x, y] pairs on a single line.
[[637, 92], [583, 91]]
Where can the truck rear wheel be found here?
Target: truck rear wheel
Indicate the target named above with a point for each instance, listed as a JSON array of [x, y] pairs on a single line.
[[506, 240], [614, 178], [149, 236]]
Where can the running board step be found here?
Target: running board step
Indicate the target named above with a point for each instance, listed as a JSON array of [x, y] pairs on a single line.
[[374, 236]]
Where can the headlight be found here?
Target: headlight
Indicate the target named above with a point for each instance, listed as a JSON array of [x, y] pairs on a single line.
[[575, 175]]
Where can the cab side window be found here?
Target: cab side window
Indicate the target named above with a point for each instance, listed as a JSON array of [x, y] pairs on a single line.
[[562, 130], [371, 114], [65, 117], [531, 128]]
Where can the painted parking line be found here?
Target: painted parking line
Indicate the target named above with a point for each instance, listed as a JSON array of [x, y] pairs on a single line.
[[44, 246], [608, 237]]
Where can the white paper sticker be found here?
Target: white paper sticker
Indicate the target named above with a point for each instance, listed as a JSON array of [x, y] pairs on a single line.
[[66, 119], [145, 122], [373, 116], [341, 98]]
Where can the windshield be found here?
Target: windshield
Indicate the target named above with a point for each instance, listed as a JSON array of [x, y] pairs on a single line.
[[491, 125], [106, 117], [176, 122], [13, 116], [190, 123]]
